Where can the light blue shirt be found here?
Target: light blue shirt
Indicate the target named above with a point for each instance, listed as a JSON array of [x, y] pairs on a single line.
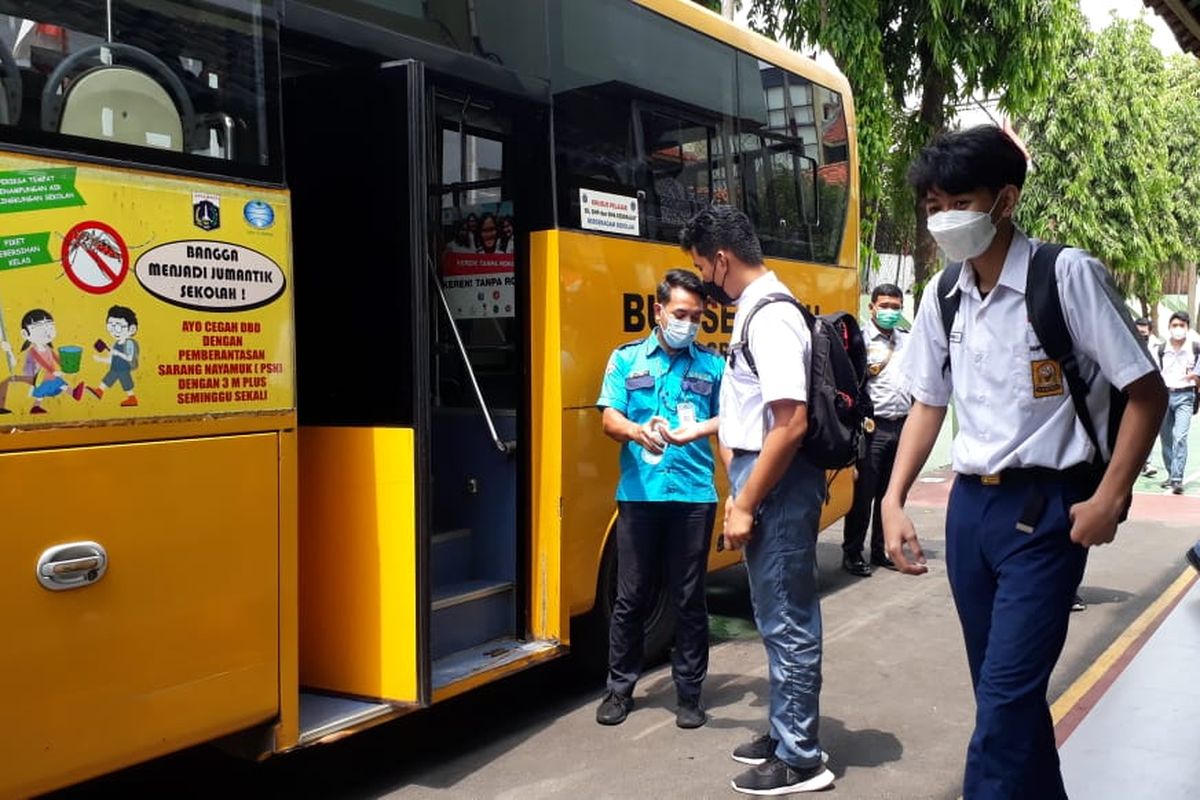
[[642, 381]]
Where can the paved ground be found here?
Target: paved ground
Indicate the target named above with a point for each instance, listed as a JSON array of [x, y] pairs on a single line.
[[896, 704]]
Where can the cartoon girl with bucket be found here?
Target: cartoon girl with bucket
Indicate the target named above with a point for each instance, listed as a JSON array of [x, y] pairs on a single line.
[[42, 360]]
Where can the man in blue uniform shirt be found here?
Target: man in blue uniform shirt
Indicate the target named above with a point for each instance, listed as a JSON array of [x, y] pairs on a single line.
[[659, 399], [1028, 498]]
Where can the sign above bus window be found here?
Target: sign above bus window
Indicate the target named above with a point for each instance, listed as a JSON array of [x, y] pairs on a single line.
[[205, 328], [608, 213]]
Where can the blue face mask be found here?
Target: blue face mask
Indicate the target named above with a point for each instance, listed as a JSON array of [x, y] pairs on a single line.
[[887, 318], [679, 333]]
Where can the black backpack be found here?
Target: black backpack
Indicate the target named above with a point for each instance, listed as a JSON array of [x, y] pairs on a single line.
[[838, 402], [1046, 316]]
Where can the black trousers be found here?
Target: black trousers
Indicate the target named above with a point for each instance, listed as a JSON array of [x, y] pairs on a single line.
[[874, 472], [649, 535]]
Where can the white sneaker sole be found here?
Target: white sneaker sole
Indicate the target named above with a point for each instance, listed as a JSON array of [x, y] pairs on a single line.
[[754, 762], [820, 781]]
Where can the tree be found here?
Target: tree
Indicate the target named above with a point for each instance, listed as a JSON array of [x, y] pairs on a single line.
[[1100, 178], [1183, 134], [942, 52]]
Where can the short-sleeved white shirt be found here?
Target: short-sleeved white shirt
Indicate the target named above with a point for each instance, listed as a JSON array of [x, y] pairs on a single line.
[[781, 345], [995, 353]]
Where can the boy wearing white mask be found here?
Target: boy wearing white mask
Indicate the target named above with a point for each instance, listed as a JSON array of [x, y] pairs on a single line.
[[659, 399], [1037, 484], [1177, 358]]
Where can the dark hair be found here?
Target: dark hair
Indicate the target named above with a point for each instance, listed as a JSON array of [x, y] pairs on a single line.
[[963, 161], [123, 313], [31, 316], [720, 227], [1142, 321], [1182, 316], [679, 279], [886, 290]]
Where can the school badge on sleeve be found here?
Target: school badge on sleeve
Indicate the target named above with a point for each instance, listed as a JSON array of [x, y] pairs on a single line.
[[1047, 378]]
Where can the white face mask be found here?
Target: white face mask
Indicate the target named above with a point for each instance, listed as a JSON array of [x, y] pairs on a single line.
[[679, 333], [963, 234], [1178, 334]]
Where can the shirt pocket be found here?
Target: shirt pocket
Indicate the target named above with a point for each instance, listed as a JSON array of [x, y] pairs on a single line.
[[698, 385]]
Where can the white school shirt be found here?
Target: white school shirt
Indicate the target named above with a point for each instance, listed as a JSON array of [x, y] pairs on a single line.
[[781, 346], [888, 390], [1177, 365], [995, 354]]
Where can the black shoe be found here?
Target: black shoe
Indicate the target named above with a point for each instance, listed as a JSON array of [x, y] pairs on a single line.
[[1167, 484], [1149, 471], [1176, 488], [762, 750], [613, 708], [1077, 604], [689, 713], [1193, 557], [883, 561], [776, 777], [856, 566]]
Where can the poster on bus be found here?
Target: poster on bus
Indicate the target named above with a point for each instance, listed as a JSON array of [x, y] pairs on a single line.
[[126, 295], [478, 261]]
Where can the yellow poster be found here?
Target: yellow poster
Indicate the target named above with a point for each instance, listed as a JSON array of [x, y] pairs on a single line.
[[126, 295]]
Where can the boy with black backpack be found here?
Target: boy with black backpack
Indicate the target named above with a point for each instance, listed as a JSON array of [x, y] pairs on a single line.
[[1037, 350], [774, 509], [1179, 360]]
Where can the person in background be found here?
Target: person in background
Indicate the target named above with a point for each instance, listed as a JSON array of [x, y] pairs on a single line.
[[660, 401], [1179, 361], [1151, 342], [885, 343]]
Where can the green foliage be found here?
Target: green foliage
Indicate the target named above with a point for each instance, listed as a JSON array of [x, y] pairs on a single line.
[[1182, 109], [1102, 178], [711, 5], [942, 51]]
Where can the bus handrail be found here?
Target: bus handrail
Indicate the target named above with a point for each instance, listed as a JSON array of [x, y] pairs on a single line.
[[505, 447]]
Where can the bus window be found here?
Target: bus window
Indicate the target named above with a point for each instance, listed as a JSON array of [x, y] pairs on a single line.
[[184, 83], [677, 160]]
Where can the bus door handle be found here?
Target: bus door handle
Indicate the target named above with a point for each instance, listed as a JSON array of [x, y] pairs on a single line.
[[70, 566]]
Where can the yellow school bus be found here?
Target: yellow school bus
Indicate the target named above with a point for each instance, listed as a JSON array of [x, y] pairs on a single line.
[[211, 534]]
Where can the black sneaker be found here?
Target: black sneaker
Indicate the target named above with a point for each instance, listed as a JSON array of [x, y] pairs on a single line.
[[613, 708], [762, 750], [1077, 604], [1177, 488], [1193, 556], [776, 777], [689, 713], [1167, 484]]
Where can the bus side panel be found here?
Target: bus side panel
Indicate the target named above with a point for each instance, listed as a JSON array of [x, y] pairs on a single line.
[[358, 562], [177, 643], [548, 617], [607, 300]]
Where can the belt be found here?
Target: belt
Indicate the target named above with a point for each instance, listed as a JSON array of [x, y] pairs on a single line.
[[1182, 389], [739, 452], [890, 421], [1020, 476]]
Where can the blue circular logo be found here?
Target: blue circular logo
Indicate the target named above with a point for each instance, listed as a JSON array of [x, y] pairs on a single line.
[[259, 214]]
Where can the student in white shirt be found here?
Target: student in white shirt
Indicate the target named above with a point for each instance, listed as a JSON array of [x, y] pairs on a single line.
[[1029, 497], [777, 495], [1177, 359]]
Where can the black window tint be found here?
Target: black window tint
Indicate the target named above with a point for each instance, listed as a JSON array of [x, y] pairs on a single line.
[[677, 158], [186, 83], [593, 138]]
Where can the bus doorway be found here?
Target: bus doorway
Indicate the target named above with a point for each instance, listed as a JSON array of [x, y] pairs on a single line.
[[414, 452]]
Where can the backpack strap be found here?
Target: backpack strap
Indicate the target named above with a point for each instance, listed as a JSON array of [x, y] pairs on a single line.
[[1046, 315], [743, 344], [948, 304]]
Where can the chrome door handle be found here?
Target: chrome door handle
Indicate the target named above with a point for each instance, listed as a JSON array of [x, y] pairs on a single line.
[[70, 566]]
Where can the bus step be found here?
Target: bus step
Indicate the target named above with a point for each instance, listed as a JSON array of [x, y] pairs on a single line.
[[450, 557], [324, 714], [491, 656], [469, 613]]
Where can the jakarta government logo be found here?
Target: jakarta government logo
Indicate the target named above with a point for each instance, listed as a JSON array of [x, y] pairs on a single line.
[[259, 214]]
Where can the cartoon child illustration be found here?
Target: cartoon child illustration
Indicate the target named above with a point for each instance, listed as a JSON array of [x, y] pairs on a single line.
[[41, 360], [122, 357]]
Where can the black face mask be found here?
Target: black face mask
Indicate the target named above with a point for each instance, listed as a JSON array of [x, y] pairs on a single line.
[[716, 292], [1145, 337]]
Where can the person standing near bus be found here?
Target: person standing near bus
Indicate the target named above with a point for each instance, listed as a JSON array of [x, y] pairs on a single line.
[[889, 396], [659, 399], [1025, 504], [775, 505]]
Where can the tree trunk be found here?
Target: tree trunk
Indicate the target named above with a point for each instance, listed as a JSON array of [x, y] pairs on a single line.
[[933, 121]]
